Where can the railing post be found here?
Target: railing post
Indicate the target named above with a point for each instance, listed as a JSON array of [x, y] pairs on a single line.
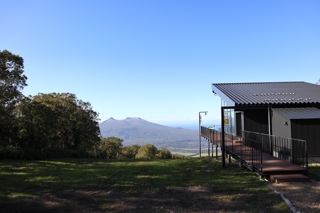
[[212, 140], [307, 157], [232, 142], [222, 138], [241, 145], [212, 149], [217, 144], [252, 154], [208, 148], [261, 154]]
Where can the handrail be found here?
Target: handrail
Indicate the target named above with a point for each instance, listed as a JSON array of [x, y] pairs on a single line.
[[288, 149]]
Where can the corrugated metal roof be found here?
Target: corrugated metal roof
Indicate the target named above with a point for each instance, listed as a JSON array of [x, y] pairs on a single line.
[[299, 113], [268, 93]]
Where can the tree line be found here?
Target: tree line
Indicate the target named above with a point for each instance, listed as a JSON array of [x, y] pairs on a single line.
[[55, 124], [112, 148]]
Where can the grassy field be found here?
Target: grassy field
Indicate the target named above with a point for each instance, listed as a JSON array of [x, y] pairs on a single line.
[[88, 185], [314, 172]]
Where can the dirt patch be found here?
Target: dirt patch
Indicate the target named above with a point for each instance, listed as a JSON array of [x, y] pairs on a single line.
[[173, 199], [304, 196]]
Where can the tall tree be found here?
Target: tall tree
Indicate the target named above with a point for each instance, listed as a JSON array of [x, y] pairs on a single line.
[[147, 151], [58, 120], [109, 147], [129, 152], [12, 81]]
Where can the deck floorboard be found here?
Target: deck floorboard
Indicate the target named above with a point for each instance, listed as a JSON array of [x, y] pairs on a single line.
[[270, 165]]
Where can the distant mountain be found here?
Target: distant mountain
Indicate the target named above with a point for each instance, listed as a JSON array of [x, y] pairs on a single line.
[[134, 130]]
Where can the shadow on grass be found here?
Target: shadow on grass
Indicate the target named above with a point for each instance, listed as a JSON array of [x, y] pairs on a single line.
[[180, 185], [314, 172]]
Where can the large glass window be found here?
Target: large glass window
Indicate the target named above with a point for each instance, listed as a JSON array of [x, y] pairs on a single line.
[[229, 119]]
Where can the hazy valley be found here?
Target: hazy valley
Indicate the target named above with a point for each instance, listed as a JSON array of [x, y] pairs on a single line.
[[134, 130]]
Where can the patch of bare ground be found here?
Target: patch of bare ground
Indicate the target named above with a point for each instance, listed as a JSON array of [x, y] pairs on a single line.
[[304, 196], [173, 200]]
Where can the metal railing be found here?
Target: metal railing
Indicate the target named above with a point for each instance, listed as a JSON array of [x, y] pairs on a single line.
[[288, 149], [251, 146], [246, 149]]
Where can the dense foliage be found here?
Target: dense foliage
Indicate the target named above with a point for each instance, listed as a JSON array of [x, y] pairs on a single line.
[[112, 148], [32, 126], [54, 125], [12, 81], [57, 120]]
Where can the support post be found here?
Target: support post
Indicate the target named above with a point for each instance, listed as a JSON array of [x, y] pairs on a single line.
[[208, 148], [261, 154], [205, 112], [212, 149], [199, 134], [216, 151], [222, 138]]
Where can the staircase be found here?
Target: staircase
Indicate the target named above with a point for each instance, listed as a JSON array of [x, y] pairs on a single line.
[[289, 178]]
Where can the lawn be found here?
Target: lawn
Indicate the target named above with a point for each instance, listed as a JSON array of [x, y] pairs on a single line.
[[314, 172], [90, 185]]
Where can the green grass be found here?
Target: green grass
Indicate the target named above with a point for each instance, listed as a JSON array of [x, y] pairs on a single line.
[[234, 188], [314, 172]]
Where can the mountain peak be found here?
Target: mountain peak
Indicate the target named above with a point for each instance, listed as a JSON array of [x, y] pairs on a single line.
[[135, 130], [133, 118]]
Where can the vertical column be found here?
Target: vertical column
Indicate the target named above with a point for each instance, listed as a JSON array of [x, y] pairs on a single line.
[[199, 134], [222, 138]]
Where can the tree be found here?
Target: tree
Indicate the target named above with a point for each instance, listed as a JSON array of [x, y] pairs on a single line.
[[318, 82], [37, 124], [109, 147], [12, 81], [129, 152], [147, 152], [58, 120], [164, 154]]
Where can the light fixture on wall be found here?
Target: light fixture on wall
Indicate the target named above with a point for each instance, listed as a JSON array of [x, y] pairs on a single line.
[[285, 123]]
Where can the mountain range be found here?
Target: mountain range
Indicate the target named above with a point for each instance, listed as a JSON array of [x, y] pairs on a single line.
[[135, 130]]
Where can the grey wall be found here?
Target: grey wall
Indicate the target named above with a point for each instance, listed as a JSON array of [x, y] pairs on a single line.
[[279, 128], [309, 130]]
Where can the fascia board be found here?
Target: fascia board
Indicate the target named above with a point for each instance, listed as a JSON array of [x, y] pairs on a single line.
[[225, 98]]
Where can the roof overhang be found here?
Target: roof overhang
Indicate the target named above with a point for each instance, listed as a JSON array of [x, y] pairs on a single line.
[[225, 98]]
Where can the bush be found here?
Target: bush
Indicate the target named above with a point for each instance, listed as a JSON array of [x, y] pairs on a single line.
[[129, 152], [33, 154], [179, 156], [21, 154], [109, 148], [164, 154], [147, 152]]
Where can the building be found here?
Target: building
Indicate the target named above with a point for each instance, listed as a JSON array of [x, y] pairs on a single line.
[[285, 109]]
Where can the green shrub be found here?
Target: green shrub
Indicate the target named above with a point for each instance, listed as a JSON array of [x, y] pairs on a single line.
[[164, 153], [147, 152], [129, 152]]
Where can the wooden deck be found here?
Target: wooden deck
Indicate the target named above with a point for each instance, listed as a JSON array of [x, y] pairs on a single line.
[[266, 165]]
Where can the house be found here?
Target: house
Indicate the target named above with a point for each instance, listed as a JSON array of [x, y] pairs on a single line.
[[285, 109]]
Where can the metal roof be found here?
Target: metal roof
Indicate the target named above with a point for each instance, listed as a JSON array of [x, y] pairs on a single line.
[[268, 93], [299, 113]]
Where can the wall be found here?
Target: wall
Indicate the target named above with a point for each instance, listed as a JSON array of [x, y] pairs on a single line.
[[256, 121], [279, 128], [309, 130]]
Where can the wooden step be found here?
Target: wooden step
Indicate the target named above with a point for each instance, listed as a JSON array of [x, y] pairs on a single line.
[[289, 178]]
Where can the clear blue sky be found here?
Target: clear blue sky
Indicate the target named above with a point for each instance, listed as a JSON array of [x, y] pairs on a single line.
[[156, 59]]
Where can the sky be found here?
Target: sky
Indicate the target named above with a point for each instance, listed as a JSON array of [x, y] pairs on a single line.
[[157, 59]]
